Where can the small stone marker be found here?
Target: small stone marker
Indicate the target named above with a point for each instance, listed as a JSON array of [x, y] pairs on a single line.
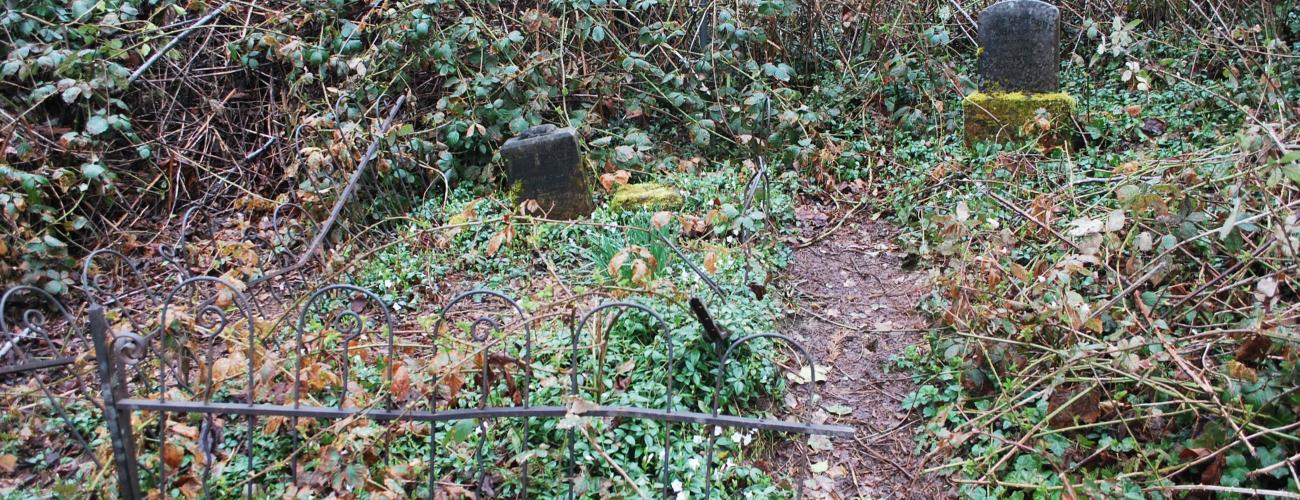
[[1021, 40], [543, 164], [1019, 79]]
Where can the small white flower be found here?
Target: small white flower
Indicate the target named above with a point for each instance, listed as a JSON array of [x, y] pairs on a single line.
[[736, 437], [746, 439], [677, 485], [693, 463], [681, 495], [698, 439], [717, 431]]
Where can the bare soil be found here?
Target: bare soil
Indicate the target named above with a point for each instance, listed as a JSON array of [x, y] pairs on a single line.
[[856, 309]]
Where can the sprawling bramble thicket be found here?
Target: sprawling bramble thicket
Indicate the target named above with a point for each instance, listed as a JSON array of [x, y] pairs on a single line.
[[1115, 319]]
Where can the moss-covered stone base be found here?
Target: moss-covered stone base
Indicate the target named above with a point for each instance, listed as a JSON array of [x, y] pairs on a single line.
[[1016, 116], [647, 195]]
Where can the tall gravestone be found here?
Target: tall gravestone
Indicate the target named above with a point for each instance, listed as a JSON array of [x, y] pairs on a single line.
[[543, 164], [1019, 81]]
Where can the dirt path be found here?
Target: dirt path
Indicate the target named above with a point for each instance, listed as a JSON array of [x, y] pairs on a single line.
[[856, 310]]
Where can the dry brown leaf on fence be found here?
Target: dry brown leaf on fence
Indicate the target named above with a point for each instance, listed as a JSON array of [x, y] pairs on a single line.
[[454, 382], [640, 271], [401, 386], [500, 362], [191, 487], [226, 368], [695, 227], [1254, 348], [644, 264], [317, 376], [1085, 409], [616, 263], [1240, 371], [172, 455], [273, 424]]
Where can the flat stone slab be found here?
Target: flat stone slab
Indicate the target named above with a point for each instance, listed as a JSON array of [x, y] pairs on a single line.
[[543, 164], [1010, 117], [1020, 44]]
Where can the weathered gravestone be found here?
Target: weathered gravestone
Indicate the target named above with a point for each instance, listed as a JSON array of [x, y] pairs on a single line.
[[543, 164], [1020, 41], [1018, 75]]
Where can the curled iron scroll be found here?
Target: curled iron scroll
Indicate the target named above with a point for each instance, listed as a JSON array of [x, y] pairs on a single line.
[[216, 306], [177, 254], [118, 277], [290, 235], [32, 325], [350, 325]]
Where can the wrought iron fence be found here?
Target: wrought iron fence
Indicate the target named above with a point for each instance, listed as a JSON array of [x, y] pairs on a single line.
[[175, 370], [199, 356]]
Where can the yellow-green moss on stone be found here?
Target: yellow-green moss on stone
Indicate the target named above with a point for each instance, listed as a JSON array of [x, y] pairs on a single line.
[[1013, 116], [649, 195]]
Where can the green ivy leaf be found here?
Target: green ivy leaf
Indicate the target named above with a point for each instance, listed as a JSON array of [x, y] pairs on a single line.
[[55, 287], [71, 94], [519, 124], [1292, 171], [96, 125], [780, 71], [92, 170]]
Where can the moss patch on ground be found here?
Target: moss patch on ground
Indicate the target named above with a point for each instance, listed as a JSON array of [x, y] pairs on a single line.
[[647, 195]]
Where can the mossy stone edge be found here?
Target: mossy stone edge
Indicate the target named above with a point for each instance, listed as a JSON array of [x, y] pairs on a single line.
[[1001, 116], [648, 195]]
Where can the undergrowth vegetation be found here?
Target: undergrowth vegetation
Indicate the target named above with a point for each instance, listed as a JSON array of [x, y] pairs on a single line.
[[1119, 319], [1116, 318], [549, 264]]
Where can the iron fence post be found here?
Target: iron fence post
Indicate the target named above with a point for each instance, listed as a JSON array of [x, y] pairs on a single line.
[[119, 424]]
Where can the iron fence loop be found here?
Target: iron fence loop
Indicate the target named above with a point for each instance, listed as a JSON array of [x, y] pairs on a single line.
[[33, 329], [481, 331], [661, 327], [178, 254], [106, 287], [811, 383], [339, 307], [130, 347], [224, 306]]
